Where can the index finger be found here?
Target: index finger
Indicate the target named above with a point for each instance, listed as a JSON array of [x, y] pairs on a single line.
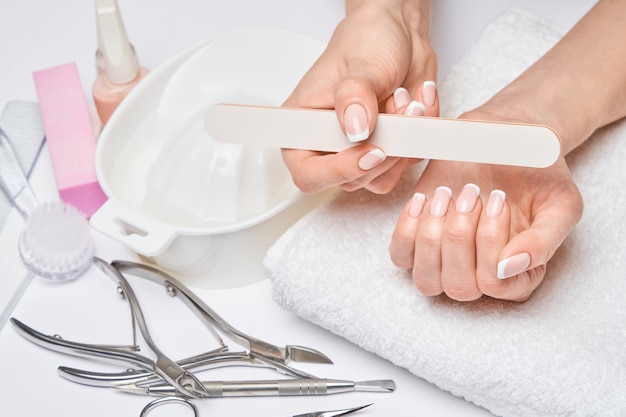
[[313, 171]]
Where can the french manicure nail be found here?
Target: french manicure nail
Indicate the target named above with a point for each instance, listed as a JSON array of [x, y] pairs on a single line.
[[513, 265], [355, 121], [495, 202], [440, 201], [371, 159], [468, 198], [401, 97], [417, 203], [415, 108], [429, 93]]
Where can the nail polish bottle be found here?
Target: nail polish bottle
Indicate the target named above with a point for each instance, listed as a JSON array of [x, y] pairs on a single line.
[[118, 68]]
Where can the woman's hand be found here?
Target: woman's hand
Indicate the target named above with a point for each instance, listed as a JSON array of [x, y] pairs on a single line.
[[469, 240], [380, 45]]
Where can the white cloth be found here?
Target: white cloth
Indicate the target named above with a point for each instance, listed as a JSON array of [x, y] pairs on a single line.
[[562, 353]]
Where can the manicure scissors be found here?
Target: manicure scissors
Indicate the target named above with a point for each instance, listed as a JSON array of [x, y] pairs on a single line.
[[173, 381], [163, 367], [176, 374], [187, 402], [333, 413], [259, 348]]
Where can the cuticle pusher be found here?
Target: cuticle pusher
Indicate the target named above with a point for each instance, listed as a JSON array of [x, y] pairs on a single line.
[[280, 387]]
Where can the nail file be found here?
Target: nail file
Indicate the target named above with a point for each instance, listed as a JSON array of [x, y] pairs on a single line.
[[70, 136], [404, 136]]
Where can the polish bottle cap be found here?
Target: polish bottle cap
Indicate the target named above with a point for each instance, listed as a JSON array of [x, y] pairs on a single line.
[[116, 56]]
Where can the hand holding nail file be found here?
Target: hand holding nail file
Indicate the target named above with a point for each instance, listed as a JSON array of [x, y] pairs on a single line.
[[404, 136]]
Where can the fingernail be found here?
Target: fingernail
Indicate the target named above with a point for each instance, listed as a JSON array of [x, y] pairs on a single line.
[[467, 199], [417, 202], [429, 93], [401, 97], [355, 121], [415, 108], [371, 159], [513, 265], [440, 201], [495, 203]]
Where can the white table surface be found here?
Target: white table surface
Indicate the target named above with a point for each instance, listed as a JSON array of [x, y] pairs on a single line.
[[40, 34]]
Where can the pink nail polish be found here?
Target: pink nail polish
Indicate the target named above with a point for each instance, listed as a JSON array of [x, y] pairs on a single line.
[[371, 159], [415, 108], [495, 203], [401, 97], [513, 265], [116, 62], [355, 121], [440, 202], [429, 93], [468, 198], [417, 203]]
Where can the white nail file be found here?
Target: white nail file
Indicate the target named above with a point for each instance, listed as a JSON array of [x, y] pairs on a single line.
[[404, 136]]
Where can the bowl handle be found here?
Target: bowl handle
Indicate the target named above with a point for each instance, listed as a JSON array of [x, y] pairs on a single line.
[[141, 234]]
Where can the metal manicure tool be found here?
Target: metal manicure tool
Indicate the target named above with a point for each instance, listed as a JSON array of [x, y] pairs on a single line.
[[333, 413], [281, 387], [166, 377], [163, 367], [186, 402]]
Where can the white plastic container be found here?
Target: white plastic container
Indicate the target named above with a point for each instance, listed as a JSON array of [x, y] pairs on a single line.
[[203, 210]]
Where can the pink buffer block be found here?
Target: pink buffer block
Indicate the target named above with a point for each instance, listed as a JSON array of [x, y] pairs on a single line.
[[70, 136]]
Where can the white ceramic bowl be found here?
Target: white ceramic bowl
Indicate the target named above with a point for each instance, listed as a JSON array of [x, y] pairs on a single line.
[[192, 205]]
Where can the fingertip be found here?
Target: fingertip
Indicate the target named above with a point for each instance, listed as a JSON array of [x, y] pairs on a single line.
[[429, 93], [402, 245], [415, 108], [371, 159], [401, 97], [356, 123], [440, 201], [356, 104], [495, 203], [513, 265], [416, 204]]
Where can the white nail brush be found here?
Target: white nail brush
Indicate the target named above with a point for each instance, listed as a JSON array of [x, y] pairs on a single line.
[[56, 242]]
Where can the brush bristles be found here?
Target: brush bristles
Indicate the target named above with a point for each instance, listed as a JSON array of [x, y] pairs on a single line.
[[56, 242]]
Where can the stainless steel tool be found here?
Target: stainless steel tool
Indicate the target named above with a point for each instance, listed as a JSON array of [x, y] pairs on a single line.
[[263, 388], [165, 368], [159, 402], [167, 378]]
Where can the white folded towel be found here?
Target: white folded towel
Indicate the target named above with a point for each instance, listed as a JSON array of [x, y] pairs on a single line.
[[562, 353]]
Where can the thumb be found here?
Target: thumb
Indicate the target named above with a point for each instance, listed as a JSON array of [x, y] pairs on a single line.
[[356, 105], [535, 246]]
